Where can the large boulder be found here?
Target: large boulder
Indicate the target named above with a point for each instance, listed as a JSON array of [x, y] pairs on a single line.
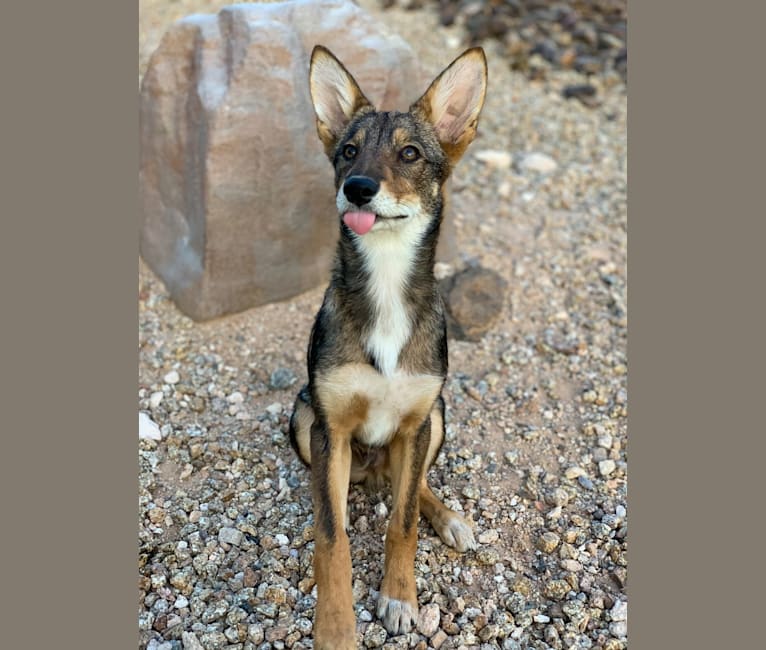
[[237, 201]]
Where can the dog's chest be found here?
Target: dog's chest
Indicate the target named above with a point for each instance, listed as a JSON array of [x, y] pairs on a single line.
[[388, 400], [391, 399], [389, 261]]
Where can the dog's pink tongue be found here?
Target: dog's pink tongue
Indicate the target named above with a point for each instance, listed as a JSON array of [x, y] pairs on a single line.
[[359, 222]]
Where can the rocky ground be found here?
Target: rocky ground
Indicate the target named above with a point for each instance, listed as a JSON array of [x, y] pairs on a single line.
[[537, 409]]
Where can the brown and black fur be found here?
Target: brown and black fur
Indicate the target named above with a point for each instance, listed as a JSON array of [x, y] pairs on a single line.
[[338, 410]]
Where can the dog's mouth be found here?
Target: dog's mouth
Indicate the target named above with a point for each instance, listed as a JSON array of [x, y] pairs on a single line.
[[362, 222]]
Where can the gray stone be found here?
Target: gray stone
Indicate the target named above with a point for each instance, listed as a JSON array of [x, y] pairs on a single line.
[[190, 641], [282, 378], [237, 203], [230, 536]]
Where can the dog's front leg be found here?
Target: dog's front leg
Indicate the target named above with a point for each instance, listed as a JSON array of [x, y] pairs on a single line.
[[398, 603], [334, 621]]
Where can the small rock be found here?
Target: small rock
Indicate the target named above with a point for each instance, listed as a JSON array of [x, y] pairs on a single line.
[[155, 399], [557, 589], [375, 636], [235, 398], [230, 536], [381, 510], [606, 467], [274, 409], [548, 541], [619, 629], [474, 299], [619, 611], [428, 619], [190, 641], [438, 639], [489, 536], [574, 472], [172, 377], [282, 378], [538, 162], [181, 602], [147, 429], [494, 158]]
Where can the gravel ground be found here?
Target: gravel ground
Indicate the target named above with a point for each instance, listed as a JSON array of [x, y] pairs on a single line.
[[537, 411]]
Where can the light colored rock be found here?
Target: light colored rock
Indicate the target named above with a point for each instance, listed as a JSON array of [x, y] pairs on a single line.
[[606, 467], [428, 619], [619, 611], [230, 536], [147, 428], [190, 641], [489, 536], [540, 163], [155, 399], [237, 201], [494, 158], [172, 377]]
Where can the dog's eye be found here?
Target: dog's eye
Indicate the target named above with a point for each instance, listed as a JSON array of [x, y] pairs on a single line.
[[409, 154], [349, 152]]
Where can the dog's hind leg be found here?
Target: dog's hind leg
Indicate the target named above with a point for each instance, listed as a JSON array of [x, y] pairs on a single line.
[[300, 426], [453, 529]]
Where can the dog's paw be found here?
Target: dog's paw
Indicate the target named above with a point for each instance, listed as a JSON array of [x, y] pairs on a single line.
[[458, 534], [398, 616]]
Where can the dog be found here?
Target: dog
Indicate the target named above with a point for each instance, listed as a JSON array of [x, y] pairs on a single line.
[[377, 356]]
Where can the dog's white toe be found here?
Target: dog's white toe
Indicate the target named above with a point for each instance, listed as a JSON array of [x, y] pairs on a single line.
[[398, 616], [458, 534]]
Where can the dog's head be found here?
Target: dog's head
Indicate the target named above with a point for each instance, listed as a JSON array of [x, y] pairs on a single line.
[[389, 166]]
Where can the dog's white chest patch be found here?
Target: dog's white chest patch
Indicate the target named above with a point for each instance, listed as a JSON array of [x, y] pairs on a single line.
[[389, 399], [389, 257]]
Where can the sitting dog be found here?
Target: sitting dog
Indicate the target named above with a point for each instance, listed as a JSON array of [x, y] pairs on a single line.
[[377, 357]]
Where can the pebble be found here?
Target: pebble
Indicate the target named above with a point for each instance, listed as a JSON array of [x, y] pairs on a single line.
[[274, 409], [172, 377], [489, 536], [181, 602], [619, 629], [619, 611], [557, 589], [428, 619], [282, 378], [230, 536], [438, 639], [547, 542], [606, 467], [494, 158], [538, 162], [585, 482], [375, 636], [190, 641], [156, 398], [147, 428], [381, 510]]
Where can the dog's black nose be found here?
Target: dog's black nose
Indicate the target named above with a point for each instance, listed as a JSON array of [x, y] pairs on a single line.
[[360, 190]]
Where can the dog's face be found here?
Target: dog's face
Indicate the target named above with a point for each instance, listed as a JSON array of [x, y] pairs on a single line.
[[390, 166]]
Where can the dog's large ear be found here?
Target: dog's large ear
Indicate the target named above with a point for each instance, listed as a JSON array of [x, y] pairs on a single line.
[[335, 95], [454, 100]]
